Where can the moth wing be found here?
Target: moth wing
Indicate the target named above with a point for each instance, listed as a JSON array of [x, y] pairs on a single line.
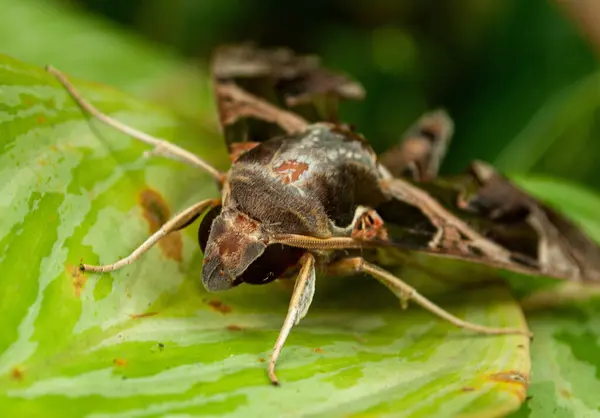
[[482, 217], [296, 89], [422, 149]]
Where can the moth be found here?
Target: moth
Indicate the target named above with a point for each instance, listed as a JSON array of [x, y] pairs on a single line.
[[306, 193]]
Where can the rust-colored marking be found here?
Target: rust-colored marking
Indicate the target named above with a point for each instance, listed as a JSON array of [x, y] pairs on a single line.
[[78, 279], [514, 381], [290, 171], [261, 360], [229, 243], [520, 346], [41, 119], [467, 389], [142, 315], [245, 223], [237, 149], [157, 213], [233, 327], [232, 241], [120, 362], [318, 350], [17, 373], [217, 305]]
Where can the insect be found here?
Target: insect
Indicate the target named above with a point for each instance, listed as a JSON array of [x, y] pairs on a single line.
[[305, 192]]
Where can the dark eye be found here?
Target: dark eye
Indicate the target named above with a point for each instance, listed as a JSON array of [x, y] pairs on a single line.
[[271, 264], [204, 230]]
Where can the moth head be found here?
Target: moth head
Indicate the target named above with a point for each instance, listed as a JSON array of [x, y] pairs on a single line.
[[231, 242]]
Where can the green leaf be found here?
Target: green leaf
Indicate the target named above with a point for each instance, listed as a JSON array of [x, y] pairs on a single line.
[[46, 32], [565, 352], [581, 204], [149, 340]]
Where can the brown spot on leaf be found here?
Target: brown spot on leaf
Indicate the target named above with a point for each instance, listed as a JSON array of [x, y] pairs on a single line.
[[157, 212], [511, 376], [217, 305], [41, 119], [142, 315], [78, 278], [17, 373], [318, 350], [261, 360], [515, 381], [233, 327], [290, 171], [467, 389], [565, 393], [120, 362]]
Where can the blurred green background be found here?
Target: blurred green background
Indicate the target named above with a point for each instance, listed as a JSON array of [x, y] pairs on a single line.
[[520, 78]]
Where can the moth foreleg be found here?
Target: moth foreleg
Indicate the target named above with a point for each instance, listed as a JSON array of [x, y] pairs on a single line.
[[178, 222], [366, 225], [406, 293], [369, 226], [304, 290], [161, 146]]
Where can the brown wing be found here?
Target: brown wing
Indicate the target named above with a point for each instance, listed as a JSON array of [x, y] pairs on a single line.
[[422, 149], [263, 93], [482, 217]]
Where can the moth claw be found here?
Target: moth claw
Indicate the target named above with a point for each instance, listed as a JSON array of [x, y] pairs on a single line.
[[369, 226]]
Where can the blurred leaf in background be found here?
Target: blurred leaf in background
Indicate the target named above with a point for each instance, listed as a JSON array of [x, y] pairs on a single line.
[[518, 77]]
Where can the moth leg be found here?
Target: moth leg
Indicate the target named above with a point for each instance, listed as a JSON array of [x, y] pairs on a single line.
[[161, 146], [369, 226], [304, 290], [181, 220], [422, 149], [406, 292], [347, 230]]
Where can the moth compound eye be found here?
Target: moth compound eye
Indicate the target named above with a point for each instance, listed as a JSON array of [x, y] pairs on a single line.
[[204, 229]]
